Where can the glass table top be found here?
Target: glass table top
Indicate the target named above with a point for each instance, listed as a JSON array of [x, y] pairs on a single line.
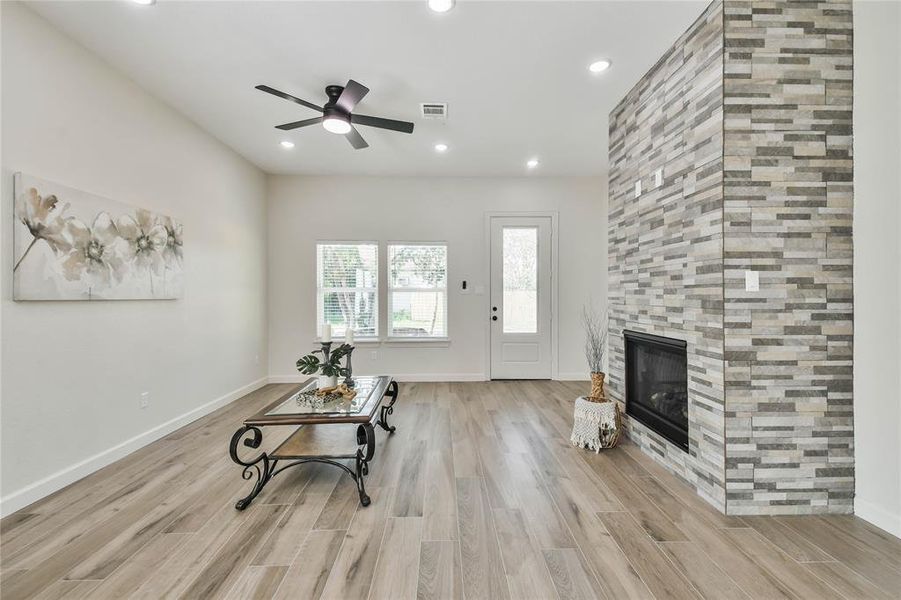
[[301, 403]]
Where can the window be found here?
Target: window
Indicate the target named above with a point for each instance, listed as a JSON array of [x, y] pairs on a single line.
[[520, 280], [417, 290], [347, 278]]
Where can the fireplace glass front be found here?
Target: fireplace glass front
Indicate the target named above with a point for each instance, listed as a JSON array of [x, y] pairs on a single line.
[[657, 384]]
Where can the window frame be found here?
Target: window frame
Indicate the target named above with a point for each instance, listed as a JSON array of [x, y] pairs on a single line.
[[389, 291], [320, 291]]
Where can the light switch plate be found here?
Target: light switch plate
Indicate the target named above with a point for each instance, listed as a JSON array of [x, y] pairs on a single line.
[[658, 177], [752, 281], [638, 188]]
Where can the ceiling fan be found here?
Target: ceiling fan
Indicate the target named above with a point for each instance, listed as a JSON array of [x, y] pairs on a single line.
[[337, 113]]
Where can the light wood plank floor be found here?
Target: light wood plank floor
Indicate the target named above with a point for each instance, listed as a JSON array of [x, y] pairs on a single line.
[[477, 495]]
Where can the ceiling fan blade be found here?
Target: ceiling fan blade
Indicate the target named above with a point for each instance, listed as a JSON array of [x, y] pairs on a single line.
[[275, 92], [352, 94], [402, 126], [299, 124], [356, 140]]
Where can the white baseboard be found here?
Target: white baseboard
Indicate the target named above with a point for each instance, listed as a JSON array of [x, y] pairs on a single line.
[[408, 378], [46, 486], [881, 518], [574, 376]]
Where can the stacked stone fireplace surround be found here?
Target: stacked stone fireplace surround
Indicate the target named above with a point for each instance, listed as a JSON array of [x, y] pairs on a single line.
[[749, 116]]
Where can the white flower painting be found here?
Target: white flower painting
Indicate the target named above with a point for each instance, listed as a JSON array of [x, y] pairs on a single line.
[[72, 245]]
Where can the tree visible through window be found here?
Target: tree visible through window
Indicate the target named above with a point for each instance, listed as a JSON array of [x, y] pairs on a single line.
[[347, 288], [417, 291]]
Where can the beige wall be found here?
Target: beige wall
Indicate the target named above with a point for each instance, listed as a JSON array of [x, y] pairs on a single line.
[[72, 372], [303, 210]]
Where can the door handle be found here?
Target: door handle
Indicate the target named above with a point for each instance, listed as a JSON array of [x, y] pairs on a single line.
[[494, 318]]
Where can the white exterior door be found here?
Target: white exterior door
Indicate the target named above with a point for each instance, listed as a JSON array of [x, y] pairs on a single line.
[[520, 309]]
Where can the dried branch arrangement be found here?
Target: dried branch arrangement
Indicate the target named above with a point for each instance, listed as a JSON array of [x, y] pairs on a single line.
[[595, 325]]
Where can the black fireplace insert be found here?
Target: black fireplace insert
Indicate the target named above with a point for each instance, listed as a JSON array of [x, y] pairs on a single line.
[[657, 384]]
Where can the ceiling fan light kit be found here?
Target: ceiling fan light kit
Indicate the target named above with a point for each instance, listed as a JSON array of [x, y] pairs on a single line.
[[337, 114], [336, 123]]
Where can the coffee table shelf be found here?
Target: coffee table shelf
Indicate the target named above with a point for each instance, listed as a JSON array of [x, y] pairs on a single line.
[[317, 440]]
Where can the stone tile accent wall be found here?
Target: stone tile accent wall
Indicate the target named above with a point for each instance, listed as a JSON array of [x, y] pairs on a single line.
[[666, 246], [788, 200], [749, 114]]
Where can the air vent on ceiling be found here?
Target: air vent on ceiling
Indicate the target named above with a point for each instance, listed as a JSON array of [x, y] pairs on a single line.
[[434, 110]]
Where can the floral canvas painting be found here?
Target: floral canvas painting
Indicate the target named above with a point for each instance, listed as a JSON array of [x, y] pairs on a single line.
[[73, 245]]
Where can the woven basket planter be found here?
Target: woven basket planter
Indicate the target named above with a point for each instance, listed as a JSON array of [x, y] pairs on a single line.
[[597, 388], [596, 425]]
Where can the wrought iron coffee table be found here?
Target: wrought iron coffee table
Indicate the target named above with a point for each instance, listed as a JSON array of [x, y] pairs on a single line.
[[328, 432]]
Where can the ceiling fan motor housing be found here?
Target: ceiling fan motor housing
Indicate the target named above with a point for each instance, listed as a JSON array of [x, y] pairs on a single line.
[[333, 112], [333, 92]]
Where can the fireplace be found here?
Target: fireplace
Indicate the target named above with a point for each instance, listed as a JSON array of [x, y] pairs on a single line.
[[657, 384]]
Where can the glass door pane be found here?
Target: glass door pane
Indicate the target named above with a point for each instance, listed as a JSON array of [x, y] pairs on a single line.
[[520, 279]]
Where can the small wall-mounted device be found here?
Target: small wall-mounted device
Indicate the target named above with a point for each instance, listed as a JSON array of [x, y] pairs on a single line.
[[752, 281], [638, 188]]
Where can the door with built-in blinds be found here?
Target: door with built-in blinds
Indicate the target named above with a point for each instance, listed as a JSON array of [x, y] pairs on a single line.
[[520, 309]]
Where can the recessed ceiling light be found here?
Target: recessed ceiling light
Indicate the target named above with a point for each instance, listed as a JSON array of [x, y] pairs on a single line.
[[440, 147], [599, 65], [287, 144], [532, 163], [440, 6], [144, 2]]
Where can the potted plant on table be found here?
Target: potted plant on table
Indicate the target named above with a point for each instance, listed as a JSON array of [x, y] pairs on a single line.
[[595, 349], [328, 368], [596, 421]]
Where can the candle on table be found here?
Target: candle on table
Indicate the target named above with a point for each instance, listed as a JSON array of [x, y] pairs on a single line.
[[349, 337], [326, 332]]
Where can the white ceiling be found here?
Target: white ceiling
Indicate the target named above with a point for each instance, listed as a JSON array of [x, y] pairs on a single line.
[[514, 74]]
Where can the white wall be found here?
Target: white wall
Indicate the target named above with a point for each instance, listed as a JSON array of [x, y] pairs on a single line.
[[877, 262], [303, 210], [72, 372]]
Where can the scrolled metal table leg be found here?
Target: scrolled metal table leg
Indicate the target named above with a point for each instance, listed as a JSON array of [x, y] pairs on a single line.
[[388, 409], [261, 465], [365, 438]]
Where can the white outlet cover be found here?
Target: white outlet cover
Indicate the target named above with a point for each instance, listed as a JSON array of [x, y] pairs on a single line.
[[638, 188], [658, 177], [752, 281]]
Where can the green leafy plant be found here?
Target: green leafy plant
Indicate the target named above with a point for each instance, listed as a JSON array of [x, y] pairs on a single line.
[[330, 365]]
